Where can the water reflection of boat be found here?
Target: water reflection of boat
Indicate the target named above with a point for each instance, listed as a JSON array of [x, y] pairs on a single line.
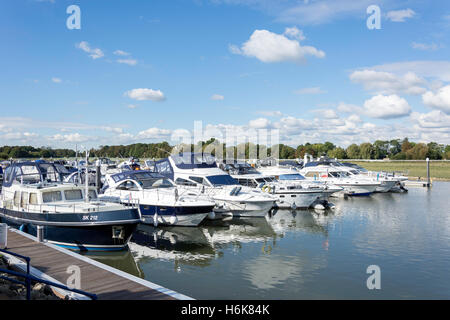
[[122, 260], [286, 220], [198, 246]]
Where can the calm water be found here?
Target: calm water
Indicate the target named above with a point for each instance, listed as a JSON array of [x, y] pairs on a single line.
[[304, 254]]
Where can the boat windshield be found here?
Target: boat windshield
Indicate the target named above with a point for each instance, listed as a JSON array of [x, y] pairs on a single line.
[[292, 176], [154, 183], [221, 180]]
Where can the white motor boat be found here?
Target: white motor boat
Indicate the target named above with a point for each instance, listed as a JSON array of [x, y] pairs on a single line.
[[288, 194], [352, 185], [389, 181], [197, 171], [158, 199]]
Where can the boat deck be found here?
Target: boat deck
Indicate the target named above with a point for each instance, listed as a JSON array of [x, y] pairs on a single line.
[[52, 262]]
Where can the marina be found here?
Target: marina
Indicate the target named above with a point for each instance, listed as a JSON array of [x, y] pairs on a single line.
[[224, 158], [282, 251]]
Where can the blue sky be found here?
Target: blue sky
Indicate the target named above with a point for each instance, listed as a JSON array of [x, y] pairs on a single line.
[[144, 71]]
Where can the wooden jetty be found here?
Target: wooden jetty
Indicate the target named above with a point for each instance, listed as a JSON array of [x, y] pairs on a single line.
[[54, 263]]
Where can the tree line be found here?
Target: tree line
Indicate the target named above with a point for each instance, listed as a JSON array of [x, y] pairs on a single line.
[[396, 149]]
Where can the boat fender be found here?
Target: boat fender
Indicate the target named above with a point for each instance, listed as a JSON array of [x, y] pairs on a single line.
[[238, 189], [155, 219], [232, 191], [211, 215], [293, 206], [173, 219], [319, 206]]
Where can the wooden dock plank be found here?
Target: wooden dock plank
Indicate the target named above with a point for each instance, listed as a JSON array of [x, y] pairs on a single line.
[[95, 277]]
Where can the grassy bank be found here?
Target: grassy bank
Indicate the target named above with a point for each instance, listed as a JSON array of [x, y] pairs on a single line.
[[438, 169]]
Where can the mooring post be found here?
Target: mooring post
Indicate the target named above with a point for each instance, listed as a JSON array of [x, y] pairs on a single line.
[[40, 233], [428, 172]]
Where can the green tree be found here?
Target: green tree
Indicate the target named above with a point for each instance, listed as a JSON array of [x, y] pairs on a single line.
[[366, 151], [353, 151], [338, 153]]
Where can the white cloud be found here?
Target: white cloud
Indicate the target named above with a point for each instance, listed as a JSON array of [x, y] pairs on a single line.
[[389, 83], [400, 15], [348, 108], [130, 62], [94, 53], [269, 113], [424, 46], [294, 33], [121, 53], [56, 80], [313, 90], [217, 97], [439, 69], [270, 47], [324, 11], [260, 123], [434, 119], [439, 100], [153, 133], [326, 113], [132, 106], [70, 138], [145, 94], [386, 107]]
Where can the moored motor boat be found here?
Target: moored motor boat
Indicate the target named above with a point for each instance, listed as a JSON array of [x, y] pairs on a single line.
[[158, 199], [70, 214]]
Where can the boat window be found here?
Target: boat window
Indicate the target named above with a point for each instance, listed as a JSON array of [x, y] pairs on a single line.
[[24, 199], [51, 196], [155, 183], [33, 198], [224, 179], [292, 176], [92, 194], [312, 174], [73, 194], [260, 180], [30, 174], [185, 182], [197, 179], [7, 175], [16, 198], [128, 185], [163, 167]]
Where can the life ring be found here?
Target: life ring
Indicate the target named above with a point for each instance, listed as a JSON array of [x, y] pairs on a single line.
[[267, 189]]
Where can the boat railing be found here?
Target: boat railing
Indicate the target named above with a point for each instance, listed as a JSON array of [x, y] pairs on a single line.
[[59, 208], [28, 278]]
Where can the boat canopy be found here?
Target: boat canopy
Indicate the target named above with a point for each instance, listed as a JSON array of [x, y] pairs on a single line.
[[194, 160], [31, 172], [136, 175]]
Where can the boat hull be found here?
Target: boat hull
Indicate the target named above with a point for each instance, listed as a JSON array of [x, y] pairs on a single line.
[[74, 232], [246, 209], [356, 190], [187, 216], [297, 200]]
